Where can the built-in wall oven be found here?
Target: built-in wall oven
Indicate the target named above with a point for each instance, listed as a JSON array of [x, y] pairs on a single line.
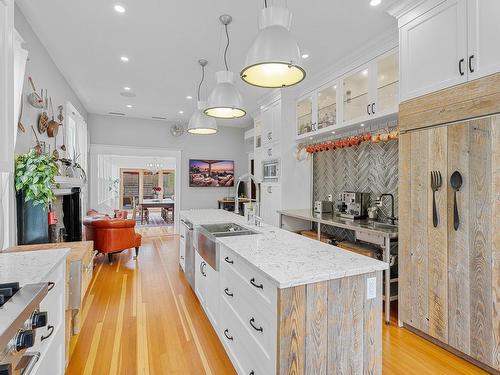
[[271, 170]]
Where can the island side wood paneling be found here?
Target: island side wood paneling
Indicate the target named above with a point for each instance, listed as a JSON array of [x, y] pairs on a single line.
[[495, 217], [480, 240], [330, 328], [458, 243], [437, 237]]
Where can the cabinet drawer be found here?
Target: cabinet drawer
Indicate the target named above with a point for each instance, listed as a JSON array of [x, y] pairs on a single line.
[[245, 353], [258, 287], [271, 151], [52, 355], [256, 317]]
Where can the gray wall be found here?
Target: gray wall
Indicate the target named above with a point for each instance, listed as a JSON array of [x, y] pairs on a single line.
[[227, 144], [46, 75]]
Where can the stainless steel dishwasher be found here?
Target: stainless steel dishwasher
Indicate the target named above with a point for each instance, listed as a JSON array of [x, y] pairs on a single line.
[[189, 252]]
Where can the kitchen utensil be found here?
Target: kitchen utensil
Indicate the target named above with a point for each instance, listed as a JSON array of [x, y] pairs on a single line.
[[55, 153], [456, 183], [33, 98], [38, 147], [20, 125], [53, 125], [436, 183]]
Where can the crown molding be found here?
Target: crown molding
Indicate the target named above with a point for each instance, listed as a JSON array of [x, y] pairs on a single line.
[[399, 9]]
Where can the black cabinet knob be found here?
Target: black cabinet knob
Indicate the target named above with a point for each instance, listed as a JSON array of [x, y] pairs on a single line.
[[25, 339], [39, 319]]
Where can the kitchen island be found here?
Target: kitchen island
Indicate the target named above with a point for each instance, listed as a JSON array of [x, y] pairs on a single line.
[[285, 304]]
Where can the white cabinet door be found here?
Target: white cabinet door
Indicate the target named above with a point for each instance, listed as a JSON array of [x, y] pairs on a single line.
[[257, 160], [212, 295], [200, 277], [271, 203], [267, 125], [484, 38], [182, 253], [434, 50], [276, 113]]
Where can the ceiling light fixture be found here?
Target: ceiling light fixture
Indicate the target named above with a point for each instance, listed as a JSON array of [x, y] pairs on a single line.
[[189, 97], [124, 58], [119, 8], [126, 88], [181, 112], [274, 59], [200, 123], [225, 101], [374, 3], [129, 105], [305, 55]]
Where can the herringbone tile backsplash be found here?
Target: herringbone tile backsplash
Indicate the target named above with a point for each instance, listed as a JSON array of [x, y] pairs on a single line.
[[370, 168]]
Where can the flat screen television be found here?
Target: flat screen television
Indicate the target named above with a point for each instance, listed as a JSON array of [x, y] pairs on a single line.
[[211, 173]]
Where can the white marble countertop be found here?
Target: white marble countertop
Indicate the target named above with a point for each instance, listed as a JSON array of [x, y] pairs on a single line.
[[29, 267], [287, 259]]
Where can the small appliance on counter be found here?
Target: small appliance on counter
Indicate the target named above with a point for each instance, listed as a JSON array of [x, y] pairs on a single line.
[[353, 205], [321, 207]]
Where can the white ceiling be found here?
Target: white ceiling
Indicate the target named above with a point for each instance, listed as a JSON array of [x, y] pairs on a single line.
[[164, 39]]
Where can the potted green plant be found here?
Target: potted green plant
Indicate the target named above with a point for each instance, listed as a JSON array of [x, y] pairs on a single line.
[[34, 181]]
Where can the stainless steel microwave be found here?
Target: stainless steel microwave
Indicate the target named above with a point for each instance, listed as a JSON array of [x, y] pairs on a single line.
[[271, 170]]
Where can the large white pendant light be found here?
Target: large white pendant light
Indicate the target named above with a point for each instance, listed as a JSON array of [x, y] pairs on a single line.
[[225, 101], [274, 60], [200, 123]]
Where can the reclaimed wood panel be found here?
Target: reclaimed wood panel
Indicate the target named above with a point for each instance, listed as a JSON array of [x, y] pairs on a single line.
[[437, 237], [495, 217], [317, 328], [291, 330], [473, 99], [419, 254], [458, 242], [404, 235], [480, 240], [372, 330], [345, 325]]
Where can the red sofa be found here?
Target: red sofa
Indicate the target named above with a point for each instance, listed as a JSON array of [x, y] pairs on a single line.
[[112, 235]]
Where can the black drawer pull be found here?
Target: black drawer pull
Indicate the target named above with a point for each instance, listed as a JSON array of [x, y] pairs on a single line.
[[228, 292], [259, 286], [51, 286], [252, 373], [260, 329], [226, 333], [471, 69], [51, 329], [368, 109], [373, 108], [460, 70], [228, 260]]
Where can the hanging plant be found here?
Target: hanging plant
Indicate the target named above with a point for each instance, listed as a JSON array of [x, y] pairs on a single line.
[[35, 177]]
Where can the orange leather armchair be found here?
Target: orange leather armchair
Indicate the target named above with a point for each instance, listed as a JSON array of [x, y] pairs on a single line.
[[112, 235]]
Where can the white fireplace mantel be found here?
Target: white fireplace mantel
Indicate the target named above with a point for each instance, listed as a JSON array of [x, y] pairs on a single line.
[[66, 184]]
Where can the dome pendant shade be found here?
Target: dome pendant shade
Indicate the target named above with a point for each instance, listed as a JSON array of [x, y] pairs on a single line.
[[274, 59], [200, 123], [225, 101]]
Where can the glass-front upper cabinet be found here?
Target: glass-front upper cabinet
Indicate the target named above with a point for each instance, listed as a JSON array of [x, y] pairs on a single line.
[[305, 115], [387, 84], [357, 99], [327, 106]]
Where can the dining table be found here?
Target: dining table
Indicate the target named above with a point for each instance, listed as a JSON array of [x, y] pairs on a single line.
[[167, 203]]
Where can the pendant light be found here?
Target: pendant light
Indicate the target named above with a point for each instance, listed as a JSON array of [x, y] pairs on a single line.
[[200, 123], [225, 101], [274, 59]]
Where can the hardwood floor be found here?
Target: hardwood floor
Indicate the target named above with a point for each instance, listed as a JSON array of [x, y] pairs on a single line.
[[141, 317]]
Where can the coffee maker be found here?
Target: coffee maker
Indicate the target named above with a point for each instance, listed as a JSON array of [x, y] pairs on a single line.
[[353, 205]]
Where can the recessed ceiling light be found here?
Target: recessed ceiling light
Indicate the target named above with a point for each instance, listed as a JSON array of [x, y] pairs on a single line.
[[129, 105], [310, 137], [126, 88], [181, 112], [374, 3], [189, 97], [362, 125], [305, 55], [365, 72], [119, 8], [333, 132], [124, 58]]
